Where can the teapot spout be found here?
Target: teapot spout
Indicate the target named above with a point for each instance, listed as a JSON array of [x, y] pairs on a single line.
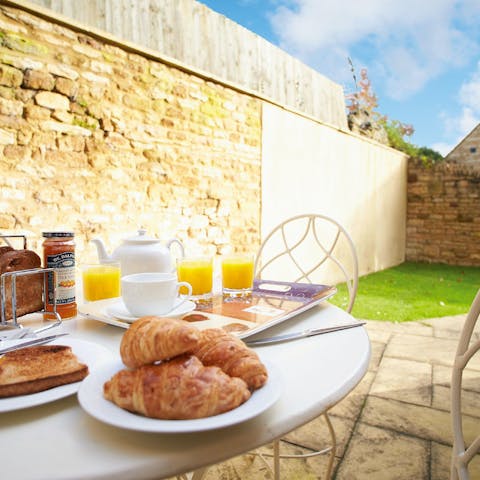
[[101, 251]]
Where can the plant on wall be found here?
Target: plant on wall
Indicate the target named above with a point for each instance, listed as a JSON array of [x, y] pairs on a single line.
[[363, 117], [366, 120]]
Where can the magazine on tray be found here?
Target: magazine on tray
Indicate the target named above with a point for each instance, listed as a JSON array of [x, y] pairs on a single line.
[[271, 302]]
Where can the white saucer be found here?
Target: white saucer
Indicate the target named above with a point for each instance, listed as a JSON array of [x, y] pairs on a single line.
[[119, 310]]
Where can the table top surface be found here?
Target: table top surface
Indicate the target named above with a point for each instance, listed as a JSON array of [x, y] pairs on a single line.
[[59, 440]]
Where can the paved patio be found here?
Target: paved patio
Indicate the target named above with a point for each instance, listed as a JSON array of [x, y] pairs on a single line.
[[395, 425]]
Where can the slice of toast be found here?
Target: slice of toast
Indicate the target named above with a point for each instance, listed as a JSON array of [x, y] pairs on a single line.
[[38, 368], [29, 287]]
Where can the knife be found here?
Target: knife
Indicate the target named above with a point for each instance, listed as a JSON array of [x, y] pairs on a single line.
[[305, 333], [29, 343]]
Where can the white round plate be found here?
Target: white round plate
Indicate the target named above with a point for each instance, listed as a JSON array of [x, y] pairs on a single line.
[[119, 310], [92, 401], [92, 354]]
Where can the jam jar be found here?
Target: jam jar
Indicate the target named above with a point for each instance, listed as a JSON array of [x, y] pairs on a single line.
[[59, 254]]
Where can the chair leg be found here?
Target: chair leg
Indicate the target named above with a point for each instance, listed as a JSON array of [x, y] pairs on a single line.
[[276, 460], [195, 475], [334, 446], [453, 472], [331, 450], [453, 466], [199, 474]]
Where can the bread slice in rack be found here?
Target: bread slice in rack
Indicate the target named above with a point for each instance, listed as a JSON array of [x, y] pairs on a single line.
[[29, 288], [38, 368]]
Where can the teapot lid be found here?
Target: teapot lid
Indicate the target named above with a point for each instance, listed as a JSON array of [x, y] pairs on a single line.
[[141, 237]]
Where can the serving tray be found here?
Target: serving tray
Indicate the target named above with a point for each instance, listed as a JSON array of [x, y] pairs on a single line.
[[270, 303]]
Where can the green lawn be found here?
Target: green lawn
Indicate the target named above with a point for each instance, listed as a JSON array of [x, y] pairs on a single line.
[[413, 291]]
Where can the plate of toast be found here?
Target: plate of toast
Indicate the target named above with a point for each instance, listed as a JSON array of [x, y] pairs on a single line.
[[92, 400], [44, 373]]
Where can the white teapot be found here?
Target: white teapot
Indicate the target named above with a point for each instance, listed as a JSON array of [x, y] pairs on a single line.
[[140, 253]]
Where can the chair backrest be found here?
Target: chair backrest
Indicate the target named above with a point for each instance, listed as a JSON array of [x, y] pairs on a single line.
[[462, 455], [310, 248]]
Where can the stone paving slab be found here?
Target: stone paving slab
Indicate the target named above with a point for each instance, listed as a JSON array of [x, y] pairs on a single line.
[[377, 350], [470, 401], [440, 351], [470, 378], [450, 327], [380, 454], [404, 380], [378, 334], [423, 328], [440, 462], [414, 420]]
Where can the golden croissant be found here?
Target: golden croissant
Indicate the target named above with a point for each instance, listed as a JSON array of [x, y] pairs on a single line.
[[177, 389], [151, 339], [220, 348]]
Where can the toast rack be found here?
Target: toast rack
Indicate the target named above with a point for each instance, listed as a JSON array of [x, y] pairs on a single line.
[[13, 324]]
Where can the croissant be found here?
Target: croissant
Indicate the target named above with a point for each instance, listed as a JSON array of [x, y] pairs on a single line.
[[150, 339], [220, 348], [177, 389]]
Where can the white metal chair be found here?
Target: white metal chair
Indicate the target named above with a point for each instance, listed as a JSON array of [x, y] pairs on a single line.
[[309, 248], [461, 454]]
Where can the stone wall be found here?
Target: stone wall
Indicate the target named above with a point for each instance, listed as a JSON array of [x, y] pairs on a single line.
[[103, 140], [443, 214]]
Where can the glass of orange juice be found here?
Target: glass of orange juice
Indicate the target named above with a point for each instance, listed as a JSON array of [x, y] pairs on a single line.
[[237, 275], [198, 272], [101, 281]]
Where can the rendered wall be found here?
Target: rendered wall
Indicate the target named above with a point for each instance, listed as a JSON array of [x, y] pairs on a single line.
[[308, 167]]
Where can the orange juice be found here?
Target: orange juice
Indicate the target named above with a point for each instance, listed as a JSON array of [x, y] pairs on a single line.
[[237, 272], [101, 281], [198, 272]]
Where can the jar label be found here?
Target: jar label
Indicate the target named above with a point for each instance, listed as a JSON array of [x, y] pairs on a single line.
[[64, 265]]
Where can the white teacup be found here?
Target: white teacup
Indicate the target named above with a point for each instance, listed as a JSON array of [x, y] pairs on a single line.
[[153, 293]]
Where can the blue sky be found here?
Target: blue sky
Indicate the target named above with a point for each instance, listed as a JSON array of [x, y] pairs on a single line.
[[422, 56]]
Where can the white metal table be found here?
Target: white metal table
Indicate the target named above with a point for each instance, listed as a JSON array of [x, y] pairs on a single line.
[[59, 440]]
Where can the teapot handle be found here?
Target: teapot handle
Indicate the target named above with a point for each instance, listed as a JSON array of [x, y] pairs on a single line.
[[180, 245]]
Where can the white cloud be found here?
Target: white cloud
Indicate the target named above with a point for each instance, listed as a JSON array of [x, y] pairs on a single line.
[[400, 61], [470, 92], [405, 43], [457, 126], [468, 120]]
